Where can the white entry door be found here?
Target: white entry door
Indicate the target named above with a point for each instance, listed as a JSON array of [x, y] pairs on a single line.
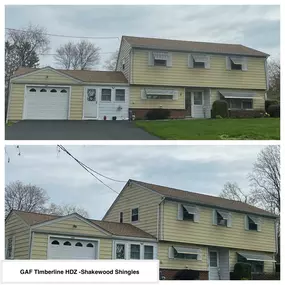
[[213, 265], [61, 248], [90, 103], [198, 104]]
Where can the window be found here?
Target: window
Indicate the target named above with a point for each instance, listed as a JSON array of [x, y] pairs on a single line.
[[170, 97], [256, 266], [55, 242], [89, 245], [199, 61], [199, 64], [236, 63], [222, 218], [123, 64], [240, 104], [186, 215], [10, 248], [252, 226], [148, 252], [213, 259], [63, 91], [120, 95], [160, 62], [184, 255], [43, 90], [33, 90], [120, 251], [67, 243], [91, 95], [106, 95], [198, 98], [78, 244], [135, 251], [121, 217], [53, 90], [236, 66], [135, 215], [221, 221]]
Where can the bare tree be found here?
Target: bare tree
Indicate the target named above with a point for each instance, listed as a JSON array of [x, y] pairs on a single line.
[[233, 192], [265, 179], [274, 79], [67, 209], [30, 198], [110, 64], [83, 55]]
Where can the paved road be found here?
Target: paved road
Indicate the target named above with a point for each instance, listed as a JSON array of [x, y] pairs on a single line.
[[76, 130]]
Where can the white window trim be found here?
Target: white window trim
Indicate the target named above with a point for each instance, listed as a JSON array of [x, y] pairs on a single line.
[[133, 208], [105, 101], [116, 97]]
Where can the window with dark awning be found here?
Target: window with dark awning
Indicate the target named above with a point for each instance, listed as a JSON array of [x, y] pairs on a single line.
[[256, 257], [237, 95]]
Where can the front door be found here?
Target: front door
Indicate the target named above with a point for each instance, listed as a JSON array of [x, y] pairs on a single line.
[[90, 103], [198, 104], [213, 265], [188, 96]]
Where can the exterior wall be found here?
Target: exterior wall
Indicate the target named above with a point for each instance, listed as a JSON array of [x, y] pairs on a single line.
[[136, 102], [268, 266], [180, 75], [14, 226], [124, 54], [16, 102], [66, 226], [258, 101], [131, 197], [205, 233], [40, 246], [172, 263], [76, 103]]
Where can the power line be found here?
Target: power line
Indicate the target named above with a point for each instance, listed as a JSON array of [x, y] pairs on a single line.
[[67, 36], [90, 170], [109, 52]]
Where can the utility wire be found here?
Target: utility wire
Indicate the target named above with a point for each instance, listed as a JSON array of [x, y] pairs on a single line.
[[90, 170], [66, 36]]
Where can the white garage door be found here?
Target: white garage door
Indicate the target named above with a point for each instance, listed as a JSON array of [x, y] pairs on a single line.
[[46, 103], [60, 248]]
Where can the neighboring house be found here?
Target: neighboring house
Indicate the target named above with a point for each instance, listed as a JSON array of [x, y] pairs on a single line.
[[40, 236], [53, 94], [198, 232], [198, 235], [187, 77]]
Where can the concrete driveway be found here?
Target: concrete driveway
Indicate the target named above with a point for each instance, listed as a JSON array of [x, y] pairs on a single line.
[[76, 130]]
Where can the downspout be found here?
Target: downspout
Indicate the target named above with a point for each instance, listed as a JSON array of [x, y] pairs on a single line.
[[266, 77], [159, 218]]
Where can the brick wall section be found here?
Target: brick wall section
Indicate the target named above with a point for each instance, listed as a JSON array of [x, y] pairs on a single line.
[[203, 275], [174, 113], [246, 113]]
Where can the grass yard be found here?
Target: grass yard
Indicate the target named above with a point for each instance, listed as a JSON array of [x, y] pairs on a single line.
[[214, 129]]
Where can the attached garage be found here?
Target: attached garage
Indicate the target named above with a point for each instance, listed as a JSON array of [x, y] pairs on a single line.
[[67, 248], [46, 103]]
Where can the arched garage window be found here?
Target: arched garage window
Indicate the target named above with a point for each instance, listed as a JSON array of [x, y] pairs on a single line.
[[63, 91], [43, 90], [67, 243], [55, 242], [78, 244], [33, 90], [53, 90], [89, 245]]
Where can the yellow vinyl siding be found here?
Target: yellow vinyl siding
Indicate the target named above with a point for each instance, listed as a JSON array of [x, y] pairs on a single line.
[[66, 226], [40, 247], [204, 232], [46, 76], [137, 102], [170, 263], [132, 197], [76, 103], [125, 54], [180, 75], [14, 226], [269, 267], [258, 100]]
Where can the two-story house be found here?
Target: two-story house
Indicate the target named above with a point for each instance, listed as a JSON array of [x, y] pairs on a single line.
[[181, 76], [197, 235], [187, 77], [198, 232]]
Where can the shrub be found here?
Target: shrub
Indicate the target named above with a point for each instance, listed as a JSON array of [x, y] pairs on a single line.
[[158, 114], [270, 102], [274, 111], [242, 271], [220, 108]]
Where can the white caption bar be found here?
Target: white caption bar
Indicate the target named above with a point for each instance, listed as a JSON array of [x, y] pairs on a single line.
[[80, 271]]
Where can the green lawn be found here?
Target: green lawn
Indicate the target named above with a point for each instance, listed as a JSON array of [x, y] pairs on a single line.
[[214, 129]]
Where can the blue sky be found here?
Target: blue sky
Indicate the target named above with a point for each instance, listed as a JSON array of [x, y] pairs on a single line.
[[203, 169], [256, 26]]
